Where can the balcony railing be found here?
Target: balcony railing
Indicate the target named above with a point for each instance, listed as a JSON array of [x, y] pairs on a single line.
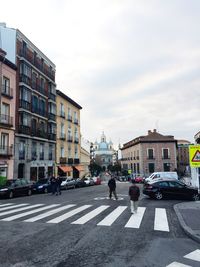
[[23, 129], [41, 133], [69, 138], [39, 111], [52, 96], [70, 161], [69, 118], [62, 136], [25, 79], [6, 120], [63, 160], [51, 116], [7, 91], [6, 151], [24, 104], [75, 120], [52, 136]]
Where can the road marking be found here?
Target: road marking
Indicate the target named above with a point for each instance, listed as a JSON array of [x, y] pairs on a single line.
[[108, 220], [178, 264], [13, 206], [101, 198], [49, 213], [136, 219], [195, 255], [14, 217], [90, 215], [160, 221], [8, 204], [69, 214], [20, 209]]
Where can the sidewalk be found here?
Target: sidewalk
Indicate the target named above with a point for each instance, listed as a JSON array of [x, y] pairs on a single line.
[[188, 214]]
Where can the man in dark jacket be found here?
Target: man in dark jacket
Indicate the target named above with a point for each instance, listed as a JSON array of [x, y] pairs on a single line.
[[58, 185], [134, 193], [112, 188]]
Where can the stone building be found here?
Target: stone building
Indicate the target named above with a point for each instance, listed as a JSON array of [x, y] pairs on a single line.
[[150, 153]]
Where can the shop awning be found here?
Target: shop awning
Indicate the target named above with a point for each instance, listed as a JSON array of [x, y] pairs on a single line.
[[65, 168], [79, 168]]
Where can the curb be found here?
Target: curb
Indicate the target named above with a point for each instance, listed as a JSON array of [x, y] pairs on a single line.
[[186, 229]]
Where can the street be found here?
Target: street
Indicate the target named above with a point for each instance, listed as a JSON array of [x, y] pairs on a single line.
[[82, 227]]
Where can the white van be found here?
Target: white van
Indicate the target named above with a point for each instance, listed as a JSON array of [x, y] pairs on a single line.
[[162, 175]]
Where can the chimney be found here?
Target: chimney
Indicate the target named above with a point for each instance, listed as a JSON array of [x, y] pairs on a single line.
[[149, 132], [154, 130]]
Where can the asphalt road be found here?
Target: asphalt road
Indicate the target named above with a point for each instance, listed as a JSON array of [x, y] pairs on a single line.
[[73, 240]]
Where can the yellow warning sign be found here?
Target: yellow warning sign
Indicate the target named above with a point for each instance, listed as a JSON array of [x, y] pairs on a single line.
[[194, 151]]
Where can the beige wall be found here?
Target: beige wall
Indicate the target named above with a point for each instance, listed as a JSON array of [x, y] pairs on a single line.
[[85, 162]]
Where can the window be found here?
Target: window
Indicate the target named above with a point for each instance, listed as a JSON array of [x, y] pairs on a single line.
[[62, 110], [5, 112], [166, 167], [25, 69], [172, 184], [6, 85], [163, 184], [150, 153], [4, 143], [41, 151], [34, 151], [42, 107], [62, 152], [165, 153], [22, 150], [34, 80], [24, 119], [34, 103], [50, 152], [69, 151], [151, 167], [52, 108], [76, 151], [25, 94]]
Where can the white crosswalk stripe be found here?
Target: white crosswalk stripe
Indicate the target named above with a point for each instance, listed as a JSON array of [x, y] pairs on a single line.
[[4, 205], [69, 214], [195, 255], [14, 217], [91, 215], [136, 219], [14, 211], [161, 222], [109, 220], [20, 209], [13, 206], [49, 213], [178, 264]]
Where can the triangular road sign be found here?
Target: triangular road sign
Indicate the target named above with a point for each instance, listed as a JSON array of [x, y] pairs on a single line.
[[196, 157]]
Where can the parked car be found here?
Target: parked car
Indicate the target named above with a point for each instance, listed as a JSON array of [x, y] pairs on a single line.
[[68, 183], [97, 180], [139, 179], [80, 183], [163, 175], [88, 180], [42, 186], [16, 187], [169, 188]]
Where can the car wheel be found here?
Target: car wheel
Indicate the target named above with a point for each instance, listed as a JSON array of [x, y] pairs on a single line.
[[29, 193], [158, 195], [11, 194], [195, 197], [46, 190]]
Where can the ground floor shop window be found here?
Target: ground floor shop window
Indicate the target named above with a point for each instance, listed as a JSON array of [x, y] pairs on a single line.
[[21, 168], [151, 167], [33, 174], [41, 173]]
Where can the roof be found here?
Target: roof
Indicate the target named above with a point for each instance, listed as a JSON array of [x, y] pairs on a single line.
[[68, 99]]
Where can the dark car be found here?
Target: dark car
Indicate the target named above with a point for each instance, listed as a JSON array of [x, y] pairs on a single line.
[[16, 187], [173, 189], [80, 183], [42, 186]]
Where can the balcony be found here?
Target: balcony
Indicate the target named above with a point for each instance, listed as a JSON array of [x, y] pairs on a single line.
[[76, 140], [62, 136], [6, 120], [70, 160], [52, 96], [52, 116], [27, 54], [25, 79], [69, 118], [6, 151], [23, 129], [52, 136], [41, 90], [7, 91], [69, 138], [76, 161], [75, 121], [41, 133], [39, 111], [63, 160], [24, 104]]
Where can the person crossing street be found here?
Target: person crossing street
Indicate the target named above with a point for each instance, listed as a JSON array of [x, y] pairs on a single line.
[[112, 188]]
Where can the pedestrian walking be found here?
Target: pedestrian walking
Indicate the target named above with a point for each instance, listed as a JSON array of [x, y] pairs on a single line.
[[134, 193], [53, 185], [58, 186], [112, 188]]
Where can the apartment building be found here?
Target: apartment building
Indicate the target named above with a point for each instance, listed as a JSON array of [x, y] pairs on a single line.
[[35, 136], [183, 165], [7, 116], [150, 153], [68, 146]]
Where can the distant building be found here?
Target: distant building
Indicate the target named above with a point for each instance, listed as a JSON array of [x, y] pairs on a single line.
[[103, 152], [68, 145], [183, 165], [7, 116], [85, 162], [150, 153]]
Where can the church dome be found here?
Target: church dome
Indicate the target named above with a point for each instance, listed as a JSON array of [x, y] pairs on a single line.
[[103, 146]]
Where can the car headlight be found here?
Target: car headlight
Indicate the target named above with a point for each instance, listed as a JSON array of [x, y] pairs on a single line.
[[4, 189], [40, 187]]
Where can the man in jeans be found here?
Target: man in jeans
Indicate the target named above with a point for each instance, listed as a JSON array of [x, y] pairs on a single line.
[[112, 188], [134, 193]]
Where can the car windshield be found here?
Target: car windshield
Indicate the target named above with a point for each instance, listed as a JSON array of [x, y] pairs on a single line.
[[42, 181]]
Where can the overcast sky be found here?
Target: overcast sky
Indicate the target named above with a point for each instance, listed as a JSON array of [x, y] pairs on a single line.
[[132, 65]]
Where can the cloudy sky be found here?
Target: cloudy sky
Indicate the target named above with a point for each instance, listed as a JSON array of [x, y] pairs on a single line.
[[132, 65]]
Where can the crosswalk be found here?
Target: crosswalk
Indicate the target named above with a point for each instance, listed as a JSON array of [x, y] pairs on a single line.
[[192, 256], [57, 213]]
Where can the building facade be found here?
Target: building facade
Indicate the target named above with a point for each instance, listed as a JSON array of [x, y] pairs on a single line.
[[85, 162], [150, 153], [103, 152], [35, 136], [68, 145], [183, 165], [7, 116]]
